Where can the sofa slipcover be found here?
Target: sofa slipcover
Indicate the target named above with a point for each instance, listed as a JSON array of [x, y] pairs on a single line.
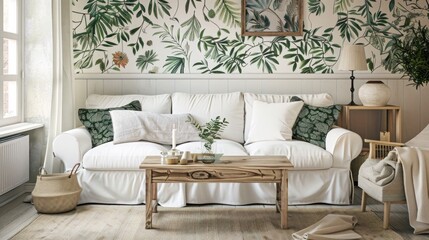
[[110, 171]]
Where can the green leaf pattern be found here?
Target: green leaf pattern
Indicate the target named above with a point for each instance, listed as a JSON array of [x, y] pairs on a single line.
[[98, 122], [313, 123], [176, 35], [143, 61]]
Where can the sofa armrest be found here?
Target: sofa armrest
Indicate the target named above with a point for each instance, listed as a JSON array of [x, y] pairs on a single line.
[[71, 145], [344, 145]]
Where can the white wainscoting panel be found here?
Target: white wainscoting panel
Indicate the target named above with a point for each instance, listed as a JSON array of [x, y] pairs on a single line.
[[413, 102]]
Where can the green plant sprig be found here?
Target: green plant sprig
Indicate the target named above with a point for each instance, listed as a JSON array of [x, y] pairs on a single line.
[[409, 55], [210, 131]]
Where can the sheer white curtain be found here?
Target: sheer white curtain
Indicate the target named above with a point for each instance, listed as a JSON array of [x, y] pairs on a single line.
[[62, 102]]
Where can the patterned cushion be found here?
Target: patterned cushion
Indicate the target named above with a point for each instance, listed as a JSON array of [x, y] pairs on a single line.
[[99, 123], [313, 123]]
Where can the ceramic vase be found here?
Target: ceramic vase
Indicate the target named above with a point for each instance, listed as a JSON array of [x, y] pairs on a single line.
[[374, 93]]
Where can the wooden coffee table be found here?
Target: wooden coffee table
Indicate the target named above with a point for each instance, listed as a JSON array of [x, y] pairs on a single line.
[[230, 169]]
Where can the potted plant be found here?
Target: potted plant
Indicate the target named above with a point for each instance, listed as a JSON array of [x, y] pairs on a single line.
[[209, 132], [409, 55]]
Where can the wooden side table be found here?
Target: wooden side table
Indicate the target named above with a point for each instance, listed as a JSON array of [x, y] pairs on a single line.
[[391, 121], [393, 118]]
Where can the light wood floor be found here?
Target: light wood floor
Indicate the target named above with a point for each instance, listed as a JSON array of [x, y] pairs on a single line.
[[16, 215]]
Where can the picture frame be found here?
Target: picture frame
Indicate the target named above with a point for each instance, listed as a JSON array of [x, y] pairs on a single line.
[[272, 18]]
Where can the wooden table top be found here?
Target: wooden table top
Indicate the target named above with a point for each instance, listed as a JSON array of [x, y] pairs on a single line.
[[246, 162]]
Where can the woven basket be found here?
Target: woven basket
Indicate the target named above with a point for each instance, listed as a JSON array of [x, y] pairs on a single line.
[[56, 193]]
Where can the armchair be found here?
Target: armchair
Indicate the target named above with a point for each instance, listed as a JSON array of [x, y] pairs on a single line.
[[393, 192]]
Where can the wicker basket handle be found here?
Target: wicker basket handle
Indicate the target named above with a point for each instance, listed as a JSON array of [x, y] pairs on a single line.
[[42, 169], [74, 169]]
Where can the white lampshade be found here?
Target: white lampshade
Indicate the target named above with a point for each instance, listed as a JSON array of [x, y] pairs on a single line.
[[352, 58]]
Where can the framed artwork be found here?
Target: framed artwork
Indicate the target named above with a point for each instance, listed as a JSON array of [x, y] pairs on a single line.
[[272, 17]]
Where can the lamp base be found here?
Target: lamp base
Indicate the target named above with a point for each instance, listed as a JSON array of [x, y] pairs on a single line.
[[352, 103], [352, 89]]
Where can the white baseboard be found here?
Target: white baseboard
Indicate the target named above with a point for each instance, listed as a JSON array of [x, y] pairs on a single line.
[[15, 193]]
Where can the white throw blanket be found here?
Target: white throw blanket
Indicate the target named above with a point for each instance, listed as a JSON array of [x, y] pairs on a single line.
[[381, 172], [131, 126], [415, 164], [332, 226], [421, 140]]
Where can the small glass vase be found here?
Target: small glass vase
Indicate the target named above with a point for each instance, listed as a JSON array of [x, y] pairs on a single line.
[[207, 158], [208, 155]]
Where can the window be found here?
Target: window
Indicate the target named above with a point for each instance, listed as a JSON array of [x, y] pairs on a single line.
[[10, 49]]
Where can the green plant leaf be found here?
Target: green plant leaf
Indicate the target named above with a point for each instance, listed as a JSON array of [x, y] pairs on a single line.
[[258, 5], [370, 64], [193, 27], [409, 55], [143, 61], [188, 2], [258, 22], [348, 26], [173, 41], [316, 6], [175, 64], [203, 66], [342, 5], [159, 7], [265, 59], [211, 130], [391, 5], [213, 46], [277, 4], [228, 12]]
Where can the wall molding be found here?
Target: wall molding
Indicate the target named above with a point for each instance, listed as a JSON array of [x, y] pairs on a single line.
[[244, 76]]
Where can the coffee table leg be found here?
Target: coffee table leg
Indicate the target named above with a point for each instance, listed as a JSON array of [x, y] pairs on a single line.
[[149, 197], [155, 197], [284, 200], [278, 197]]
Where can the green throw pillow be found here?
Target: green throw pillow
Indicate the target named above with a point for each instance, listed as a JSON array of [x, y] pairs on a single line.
[[99, 123], [313, 123]]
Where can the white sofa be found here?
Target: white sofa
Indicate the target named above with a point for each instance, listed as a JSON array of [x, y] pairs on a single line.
[[110, 172]]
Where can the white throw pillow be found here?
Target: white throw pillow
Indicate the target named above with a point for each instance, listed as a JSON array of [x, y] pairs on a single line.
[[131, 126], [204, 107], [149, 103], [273, 121], [318, 100]]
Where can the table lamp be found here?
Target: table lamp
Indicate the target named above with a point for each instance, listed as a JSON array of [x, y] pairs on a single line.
[[352, 58]]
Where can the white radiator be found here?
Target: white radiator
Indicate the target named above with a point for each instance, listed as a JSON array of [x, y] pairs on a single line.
[[14, 162]]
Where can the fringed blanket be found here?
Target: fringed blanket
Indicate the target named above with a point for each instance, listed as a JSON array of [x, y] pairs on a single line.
[[415, 164]]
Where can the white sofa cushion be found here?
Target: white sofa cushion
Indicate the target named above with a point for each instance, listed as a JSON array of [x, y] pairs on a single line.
[[302, 155], [151, 103], [131, 126], [204, 107], [127, 156], [318, 100], [273, 121], [227, 147]]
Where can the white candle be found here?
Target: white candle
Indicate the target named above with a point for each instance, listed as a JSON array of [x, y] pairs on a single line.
[[173, 137]]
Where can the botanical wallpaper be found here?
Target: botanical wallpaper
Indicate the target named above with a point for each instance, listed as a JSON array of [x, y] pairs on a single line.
[[277, 16], [203, 36]]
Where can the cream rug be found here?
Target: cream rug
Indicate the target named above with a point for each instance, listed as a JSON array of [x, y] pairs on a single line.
[[195, 222]]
